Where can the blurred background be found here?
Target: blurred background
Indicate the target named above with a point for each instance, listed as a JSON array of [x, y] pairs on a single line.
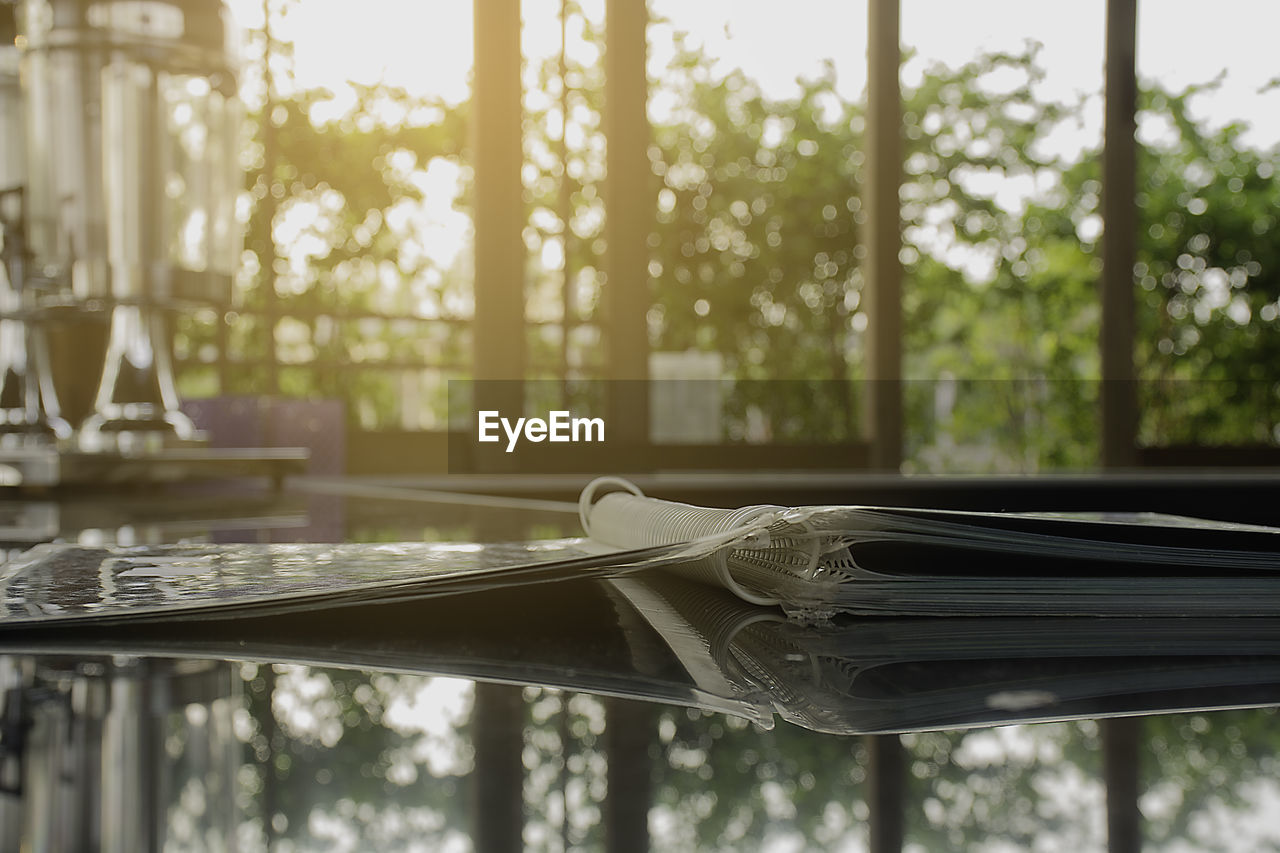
[[568, 193], [839, 236], [746, 224]]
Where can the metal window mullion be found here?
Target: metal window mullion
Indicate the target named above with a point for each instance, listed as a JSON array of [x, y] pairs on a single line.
[[1118, 393], [882, 293]]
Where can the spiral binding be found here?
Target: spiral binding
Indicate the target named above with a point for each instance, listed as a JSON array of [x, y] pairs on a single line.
[[758, 542]]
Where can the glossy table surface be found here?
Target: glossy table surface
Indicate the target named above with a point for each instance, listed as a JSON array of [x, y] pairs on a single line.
[[608, 714]]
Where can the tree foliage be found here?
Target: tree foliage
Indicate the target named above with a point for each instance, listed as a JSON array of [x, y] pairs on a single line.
[[756, 255], [1209, 279]]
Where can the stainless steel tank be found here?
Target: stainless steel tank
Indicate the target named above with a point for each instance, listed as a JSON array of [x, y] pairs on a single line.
[[29, 411], [132, 173]]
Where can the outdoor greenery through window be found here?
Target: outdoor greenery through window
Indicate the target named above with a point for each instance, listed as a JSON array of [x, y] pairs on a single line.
[[717, 781], [358, 240]]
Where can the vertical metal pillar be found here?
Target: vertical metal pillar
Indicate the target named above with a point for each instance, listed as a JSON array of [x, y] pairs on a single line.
[[274, 739], [564, 210], [497, 732], [882, 293], [130, 812], [1120, 765], [629, 212], [886, 775], [497, 738], [269, 206], [1118, 394], [499, 334], [629, 729]]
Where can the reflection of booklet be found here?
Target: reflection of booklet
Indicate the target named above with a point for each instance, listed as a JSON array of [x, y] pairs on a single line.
[[663, 638], [582, 635], [859, 676]]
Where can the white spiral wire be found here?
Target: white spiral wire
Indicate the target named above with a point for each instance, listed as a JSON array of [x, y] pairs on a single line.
[[629, 519]]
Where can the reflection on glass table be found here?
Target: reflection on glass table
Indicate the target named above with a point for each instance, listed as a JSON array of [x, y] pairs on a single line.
[[422, 722]]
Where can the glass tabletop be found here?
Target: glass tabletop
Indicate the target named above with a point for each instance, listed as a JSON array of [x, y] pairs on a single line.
[[621, 713]]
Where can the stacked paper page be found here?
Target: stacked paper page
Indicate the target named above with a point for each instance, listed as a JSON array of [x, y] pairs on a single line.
[[817, 561], [56, 584]]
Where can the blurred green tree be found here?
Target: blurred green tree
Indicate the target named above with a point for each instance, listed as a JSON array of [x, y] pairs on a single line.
[[1209, 278], [334, 250], [338, 756], [756, 257]]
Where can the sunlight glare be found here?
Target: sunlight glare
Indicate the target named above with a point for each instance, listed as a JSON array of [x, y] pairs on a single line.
[[425, 48]]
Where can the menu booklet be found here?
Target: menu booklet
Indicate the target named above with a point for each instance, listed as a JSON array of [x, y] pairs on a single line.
[[809, 562]]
